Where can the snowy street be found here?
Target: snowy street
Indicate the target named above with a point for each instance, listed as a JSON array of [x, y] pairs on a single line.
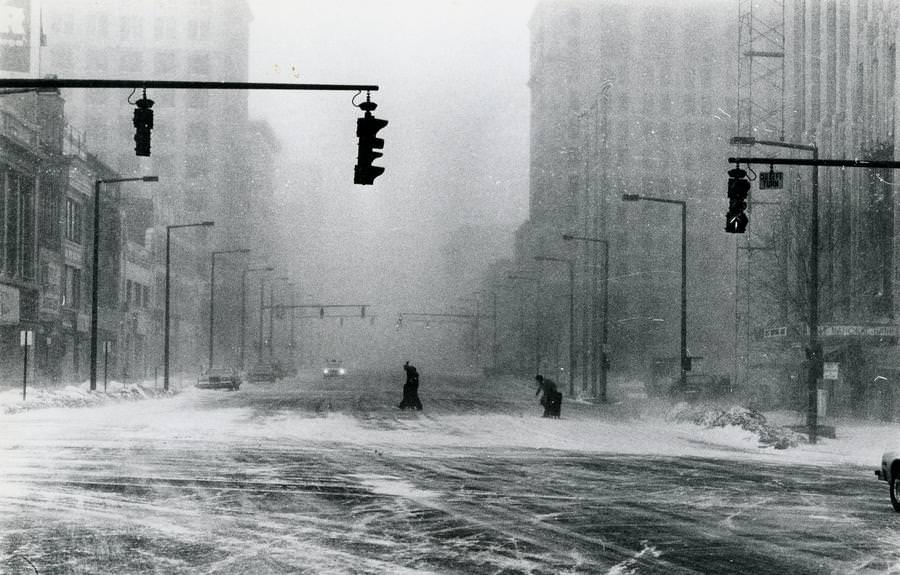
[[321, 476]]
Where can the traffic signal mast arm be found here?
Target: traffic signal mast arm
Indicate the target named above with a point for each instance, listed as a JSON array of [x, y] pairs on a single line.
[[874, 164], [317, 306], [47, 84]]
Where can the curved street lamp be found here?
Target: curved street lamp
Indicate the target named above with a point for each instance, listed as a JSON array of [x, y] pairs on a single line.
[[95, 272], [169, 229], [212, 295]]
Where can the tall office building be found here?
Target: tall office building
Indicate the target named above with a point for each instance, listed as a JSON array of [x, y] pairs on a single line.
[[197, 139], [633, 98]]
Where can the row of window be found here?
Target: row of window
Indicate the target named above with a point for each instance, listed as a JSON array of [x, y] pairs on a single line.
[[17, 246], [130, 27], [100, 61], [137, 295]]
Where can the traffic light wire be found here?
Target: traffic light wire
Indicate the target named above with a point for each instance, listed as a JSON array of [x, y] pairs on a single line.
[[750, 169], [130, 95], [353, 99]]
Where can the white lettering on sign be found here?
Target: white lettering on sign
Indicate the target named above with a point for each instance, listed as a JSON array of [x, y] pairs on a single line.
[[12, 20]]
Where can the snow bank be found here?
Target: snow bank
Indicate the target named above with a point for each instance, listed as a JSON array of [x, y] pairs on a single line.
[[742, 417], [77, 396]]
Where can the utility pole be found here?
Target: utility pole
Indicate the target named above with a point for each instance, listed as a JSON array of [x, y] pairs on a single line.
[[95, 272], [262, 299], [685, 360], [244, 306], [814, 352], [212, 296], [169, 229], [494, 336]]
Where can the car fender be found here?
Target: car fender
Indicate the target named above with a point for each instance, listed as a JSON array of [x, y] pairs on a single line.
[[887, 465]]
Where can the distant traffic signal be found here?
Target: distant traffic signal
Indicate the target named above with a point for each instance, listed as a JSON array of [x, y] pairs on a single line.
[[143, 123], [736, 219], [367, 128]]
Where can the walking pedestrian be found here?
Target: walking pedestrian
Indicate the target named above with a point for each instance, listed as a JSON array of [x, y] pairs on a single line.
[[411, 389], [551, 399]]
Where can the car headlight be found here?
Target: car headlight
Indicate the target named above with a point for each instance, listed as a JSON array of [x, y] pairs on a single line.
[[325, 371], [341, 371]]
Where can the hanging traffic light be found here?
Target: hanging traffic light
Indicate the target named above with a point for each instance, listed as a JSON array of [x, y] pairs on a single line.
[[362, 311], [366, 129], [736, 219], [321, 313], [143, 123]]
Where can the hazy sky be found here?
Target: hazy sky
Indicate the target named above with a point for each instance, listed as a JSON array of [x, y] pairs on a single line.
[[453, 84]]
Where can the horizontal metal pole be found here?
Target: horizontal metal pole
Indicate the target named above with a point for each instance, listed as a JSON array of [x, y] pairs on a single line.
[[405, 313], [315, 306], [827, 163], [56, 83]]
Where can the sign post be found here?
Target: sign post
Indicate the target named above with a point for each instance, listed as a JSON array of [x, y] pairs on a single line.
[[105, 363], [26, 339]]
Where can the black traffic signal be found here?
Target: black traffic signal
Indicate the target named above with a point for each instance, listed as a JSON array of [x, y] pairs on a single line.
[[366, 129], [362, 311], [321, 313], [736, 219], [143, 123]]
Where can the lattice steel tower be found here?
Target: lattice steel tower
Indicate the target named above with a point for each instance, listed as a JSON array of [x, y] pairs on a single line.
[[760, 114]]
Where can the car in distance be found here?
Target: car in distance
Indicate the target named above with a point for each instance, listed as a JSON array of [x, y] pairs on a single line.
[[333, 368], [890, 472], [261, 372], [219, 378]]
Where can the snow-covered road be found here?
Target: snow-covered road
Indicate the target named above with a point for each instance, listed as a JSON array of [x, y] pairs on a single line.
[[312, 476]]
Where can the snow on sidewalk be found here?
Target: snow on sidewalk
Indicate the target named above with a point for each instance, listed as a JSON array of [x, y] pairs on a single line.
[[41, 397]]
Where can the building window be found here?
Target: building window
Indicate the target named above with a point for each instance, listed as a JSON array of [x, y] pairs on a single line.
[[26, 209], [73, 221], [50, 220], [71, 292]]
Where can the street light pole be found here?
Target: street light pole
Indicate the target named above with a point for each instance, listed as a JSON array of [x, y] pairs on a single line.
[[244, 306], [212, 295], [95, 272], [271, 310], [262, 299], [814, 353], [571, 264], [169, 229], [604, 333], [683, 204]]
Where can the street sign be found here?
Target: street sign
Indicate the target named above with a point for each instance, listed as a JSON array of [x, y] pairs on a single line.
[[770, 180], [830, 370], [26, 338]]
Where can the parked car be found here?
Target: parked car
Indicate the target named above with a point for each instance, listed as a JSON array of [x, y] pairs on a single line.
[[890, 472], [261, 372], [334, 368], [219, 378]]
